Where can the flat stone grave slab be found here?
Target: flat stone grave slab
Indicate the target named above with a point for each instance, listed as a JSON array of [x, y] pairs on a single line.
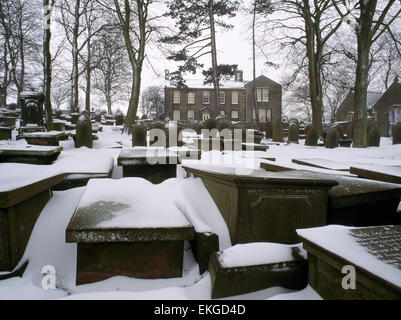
[[255, 266], [252, 155], [79, 167], [5, 133], [323, 163], [50, 138], [254, 146], [264, 206], [376, 172], [24, 191], [150, 163], [8, 121], [121, 230], [360, 202], [372, 254], [278, 166], [29, 154]]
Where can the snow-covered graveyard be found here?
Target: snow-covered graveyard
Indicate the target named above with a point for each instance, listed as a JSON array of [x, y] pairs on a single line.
[[93, 203]]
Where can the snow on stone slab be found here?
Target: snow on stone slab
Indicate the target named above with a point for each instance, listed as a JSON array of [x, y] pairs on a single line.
[[84, 160], [258, 253], [388, 170], [323, 163], [338, 240], [130, 203], [192, 198], [17, 175]]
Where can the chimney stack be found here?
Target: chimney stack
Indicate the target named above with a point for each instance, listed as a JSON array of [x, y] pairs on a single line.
[[239, 76]]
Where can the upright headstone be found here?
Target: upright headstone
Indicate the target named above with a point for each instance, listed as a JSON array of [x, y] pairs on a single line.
[[332, 137], [98, 116], [139, 134], [277, 130], [373, 135], [32, 111], [269, 130], [119, 118], [84, 131], [293, 132], [58, 113], [397, 133], [312, 136]]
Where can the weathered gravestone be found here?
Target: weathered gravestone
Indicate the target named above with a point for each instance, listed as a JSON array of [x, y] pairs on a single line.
[[293, 133], [98, 116], [84, 136], [264, 206], [22, 199], [139, 134], [110, 243], [354, 264], [5, 133], [119, 118], [31, 112], [278, 130]]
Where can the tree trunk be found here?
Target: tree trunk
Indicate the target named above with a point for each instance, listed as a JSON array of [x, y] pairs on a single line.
[[75, 66], [47, 72], [364, 39], [255, 96], [214, 58]]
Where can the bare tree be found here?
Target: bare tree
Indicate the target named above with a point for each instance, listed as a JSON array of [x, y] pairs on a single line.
[[112, 73], [153, 102], [371, 22]]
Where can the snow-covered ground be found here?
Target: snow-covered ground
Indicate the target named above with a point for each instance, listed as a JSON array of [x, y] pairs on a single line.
[[47, 244]]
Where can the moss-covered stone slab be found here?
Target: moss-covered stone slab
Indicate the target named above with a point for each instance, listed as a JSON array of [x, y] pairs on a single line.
[[373, 253], [290, 270], [29, 154], [265, 206], [124, 232], [390, 174], [21, 202]]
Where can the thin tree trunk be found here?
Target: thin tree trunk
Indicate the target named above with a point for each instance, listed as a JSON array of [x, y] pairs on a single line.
[[214, 58], [75, 74], [88, 79], [255, 97], [47, 72]]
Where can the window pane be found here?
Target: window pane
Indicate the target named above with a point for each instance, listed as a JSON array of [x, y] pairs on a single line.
[[176, 96], [191, 97], [222, 97], [269, 114], [262, 94], [234, 97], [234, 114], [191, 115], [206, 97], [262, 115], [176, 115], [265, 95]]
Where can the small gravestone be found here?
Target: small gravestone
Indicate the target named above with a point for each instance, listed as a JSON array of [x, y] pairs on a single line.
[[31, 111], [278, 130], [139, 134], [98, 116], [269, 130], [84, 131], [74, 117], [397, 133], [332, 138], [119, 118], [293, 132], [58, 113]]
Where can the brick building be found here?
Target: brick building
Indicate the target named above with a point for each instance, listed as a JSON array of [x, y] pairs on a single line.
[[236, 100]]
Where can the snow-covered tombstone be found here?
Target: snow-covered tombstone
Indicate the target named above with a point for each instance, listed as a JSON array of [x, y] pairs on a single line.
[[139, 133], [84, 131], [31, 111]]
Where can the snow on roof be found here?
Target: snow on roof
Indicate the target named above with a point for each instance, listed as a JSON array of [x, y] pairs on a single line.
[[198, 84]]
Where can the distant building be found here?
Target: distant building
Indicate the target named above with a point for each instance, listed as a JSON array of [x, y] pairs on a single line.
[[345, 112], [198, 102], [388, 108]]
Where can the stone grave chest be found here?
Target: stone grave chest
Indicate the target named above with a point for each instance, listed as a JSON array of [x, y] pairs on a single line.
[[264, 206], [152, 164], [29, 154], [354, 201], [5, 133], [50, 138], [121, 230], [24, 191], [8, 121], [373, 253]]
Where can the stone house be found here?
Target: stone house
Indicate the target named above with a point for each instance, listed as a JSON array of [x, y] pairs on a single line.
[[198, 101], [388, 109], [345, 111]]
